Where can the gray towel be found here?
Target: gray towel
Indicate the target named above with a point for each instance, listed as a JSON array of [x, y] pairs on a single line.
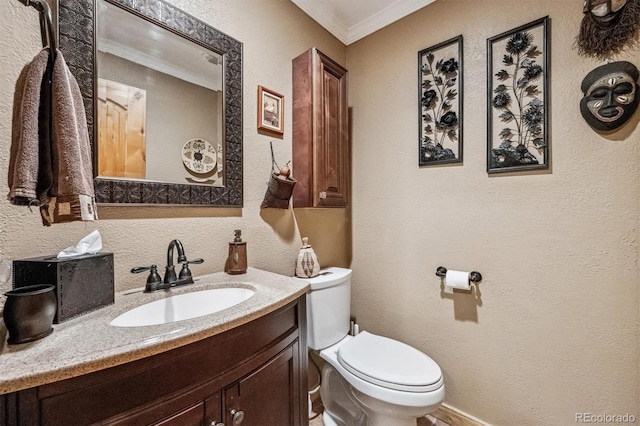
[[30, 130], [72, 195], [50, 164]]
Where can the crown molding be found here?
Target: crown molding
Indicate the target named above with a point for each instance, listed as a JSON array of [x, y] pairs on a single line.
[[386, 16], [319, 11]]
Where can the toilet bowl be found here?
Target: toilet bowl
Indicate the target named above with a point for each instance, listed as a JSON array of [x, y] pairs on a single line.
[[366, 379]]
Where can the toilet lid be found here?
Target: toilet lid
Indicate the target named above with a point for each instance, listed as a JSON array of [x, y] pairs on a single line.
[[389, 363]]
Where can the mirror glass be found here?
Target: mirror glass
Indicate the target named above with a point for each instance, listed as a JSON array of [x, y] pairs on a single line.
[[159, 103], [163, 94]]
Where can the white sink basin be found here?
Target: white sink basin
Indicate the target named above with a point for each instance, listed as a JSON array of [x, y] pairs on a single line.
[[183, 306]]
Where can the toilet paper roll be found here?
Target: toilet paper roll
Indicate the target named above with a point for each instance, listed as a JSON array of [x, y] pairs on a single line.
[[456, 279]]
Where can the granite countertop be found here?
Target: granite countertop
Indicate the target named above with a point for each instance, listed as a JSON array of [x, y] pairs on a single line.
[[88, 343]]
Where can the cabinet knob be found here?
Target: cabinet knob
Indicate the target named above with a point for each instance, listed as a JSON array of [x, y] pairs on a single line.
[[237, 417], [214, 423]]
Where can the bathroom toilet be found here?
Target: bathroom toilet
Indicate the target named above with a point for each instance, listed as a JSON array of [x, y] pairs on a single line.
[[366, 379]]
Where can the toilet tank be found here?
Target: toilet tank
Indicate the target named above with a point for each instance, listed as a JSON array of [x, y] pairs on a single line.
[[328, 307]]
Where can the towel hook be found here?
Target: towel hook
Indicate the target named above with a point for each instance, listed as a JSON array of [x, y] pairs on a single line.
[[46, 23], [474, 276]]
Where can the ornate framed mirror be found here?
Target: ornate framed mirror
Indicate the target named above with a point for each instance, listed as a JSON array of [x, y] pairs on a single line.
[[208, 178]]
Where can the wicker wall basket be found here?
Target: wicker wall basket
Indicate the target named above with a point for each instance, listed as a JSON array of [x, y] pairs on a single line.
[[279, 192], [280, 186]]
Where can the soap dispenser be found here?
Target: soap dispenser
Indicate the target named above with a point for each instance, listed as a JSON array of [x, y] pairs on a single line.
[[237, 260]]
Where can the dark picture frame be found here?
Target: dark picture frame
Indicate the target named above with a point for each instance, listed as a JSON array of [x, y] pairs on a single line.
[[518, 98], [440, 84], [270, 111]]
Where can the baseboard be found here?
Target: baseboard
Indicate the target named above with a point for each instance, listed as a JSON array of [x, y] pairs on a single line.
[[454, 417]]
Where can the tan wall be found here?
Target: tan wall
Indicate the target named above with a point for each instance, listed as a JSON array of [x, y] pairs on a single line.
[[555, 329], [273, 33]]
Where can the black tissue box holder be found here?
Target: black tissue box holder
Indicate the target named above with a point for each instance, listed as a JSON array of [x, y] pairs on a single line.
[[83, 283]]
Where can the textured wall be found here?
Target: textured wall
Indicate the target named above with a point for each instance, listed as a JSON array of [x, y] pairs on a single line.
[[273, 33], [555, 329]]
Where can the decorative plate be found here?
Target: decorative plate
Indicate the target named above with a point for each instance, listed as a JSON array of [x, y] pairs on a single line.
[[199, 156]]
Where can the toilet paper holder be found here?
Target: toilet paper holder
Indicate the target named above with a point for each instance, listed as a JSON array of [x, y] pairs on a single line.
[[474, 276]]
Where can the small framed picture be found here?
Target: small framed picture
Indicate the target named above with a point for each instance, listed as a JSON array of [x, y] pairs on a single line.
[[518, 99], [440, 103], [270, 111]]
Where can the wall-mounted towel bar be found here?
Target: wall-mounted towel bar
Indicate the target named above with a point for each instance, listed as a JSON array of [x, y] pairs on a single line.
[[474, 276], [47, 32]]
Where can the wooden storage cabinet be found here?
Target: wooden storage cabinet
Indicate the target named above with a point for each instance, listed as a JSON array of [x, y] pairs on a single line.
[[256, 372], [321, 152]]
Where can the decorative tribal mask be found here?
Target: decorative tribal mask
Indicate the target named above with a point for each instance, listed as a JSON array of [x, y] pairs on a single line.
[[604, 12], [607, 26], [610, 95]]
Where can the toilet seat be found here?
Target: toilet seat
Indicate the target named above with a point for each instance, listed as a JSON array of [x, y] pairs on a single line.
[[382, 393], [390, 364]]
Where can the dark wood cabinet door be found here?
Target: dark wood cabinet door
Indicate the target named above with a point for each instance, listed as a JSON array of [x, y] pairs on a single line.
[[268, 396], [321, 154], [332, 149], [213, 410]]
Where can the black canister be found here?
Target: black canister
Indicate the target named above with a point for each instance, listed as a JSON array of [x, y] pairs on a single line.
[[28, 312]]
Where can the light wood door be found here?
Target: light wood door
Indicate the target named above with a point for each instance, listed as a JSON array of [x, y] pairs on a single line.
[[121, 130]]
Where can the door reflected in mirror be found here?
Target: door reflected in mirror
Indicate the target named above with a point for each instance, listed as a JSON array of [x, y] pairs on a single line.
[[157, 93], [122, 136]]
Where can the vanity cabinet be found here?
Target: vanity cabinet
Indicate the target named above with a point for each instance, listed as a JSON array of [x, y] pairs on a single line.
[[254, 374], [321, 153]]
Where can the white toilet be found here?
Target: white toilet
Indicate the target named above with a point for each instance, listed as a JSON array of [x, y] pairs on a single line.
[[367, 379]]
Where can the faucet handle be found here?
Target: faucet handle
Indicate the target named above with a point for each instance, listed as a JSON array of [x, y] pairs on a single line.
[[153, 277], [185, 273]]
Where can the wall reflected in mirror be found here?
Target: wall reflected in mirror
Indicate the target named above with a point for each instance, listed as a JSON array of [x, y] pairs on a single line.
[[160, 103]]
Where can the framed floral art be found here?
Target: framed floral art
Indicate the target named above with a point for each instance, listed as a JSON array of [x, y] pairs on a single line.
[[518, 98], [440, 103]]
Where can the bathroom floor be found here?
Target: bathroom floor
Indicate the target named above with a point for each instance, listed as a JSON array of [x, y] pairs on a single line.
[[429, 420]]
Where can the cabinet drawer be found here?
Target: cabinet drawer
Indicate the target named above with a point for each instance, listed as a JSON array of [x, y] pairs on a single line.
[[192, 416]]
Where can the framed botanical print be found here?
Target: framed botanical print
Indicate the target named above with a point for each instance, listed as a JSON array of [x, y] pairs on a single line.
[[440, 103], [518, 98]]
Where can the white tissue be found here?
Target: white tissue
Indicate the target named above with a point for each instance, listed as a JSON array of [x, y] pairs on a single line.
[[456, 279], [5, 271], [91, 244]]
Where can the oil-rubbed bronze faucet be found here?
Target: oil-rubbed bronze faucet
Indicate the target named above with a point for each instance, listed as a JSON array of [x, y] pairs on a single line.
[[170, 279]]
